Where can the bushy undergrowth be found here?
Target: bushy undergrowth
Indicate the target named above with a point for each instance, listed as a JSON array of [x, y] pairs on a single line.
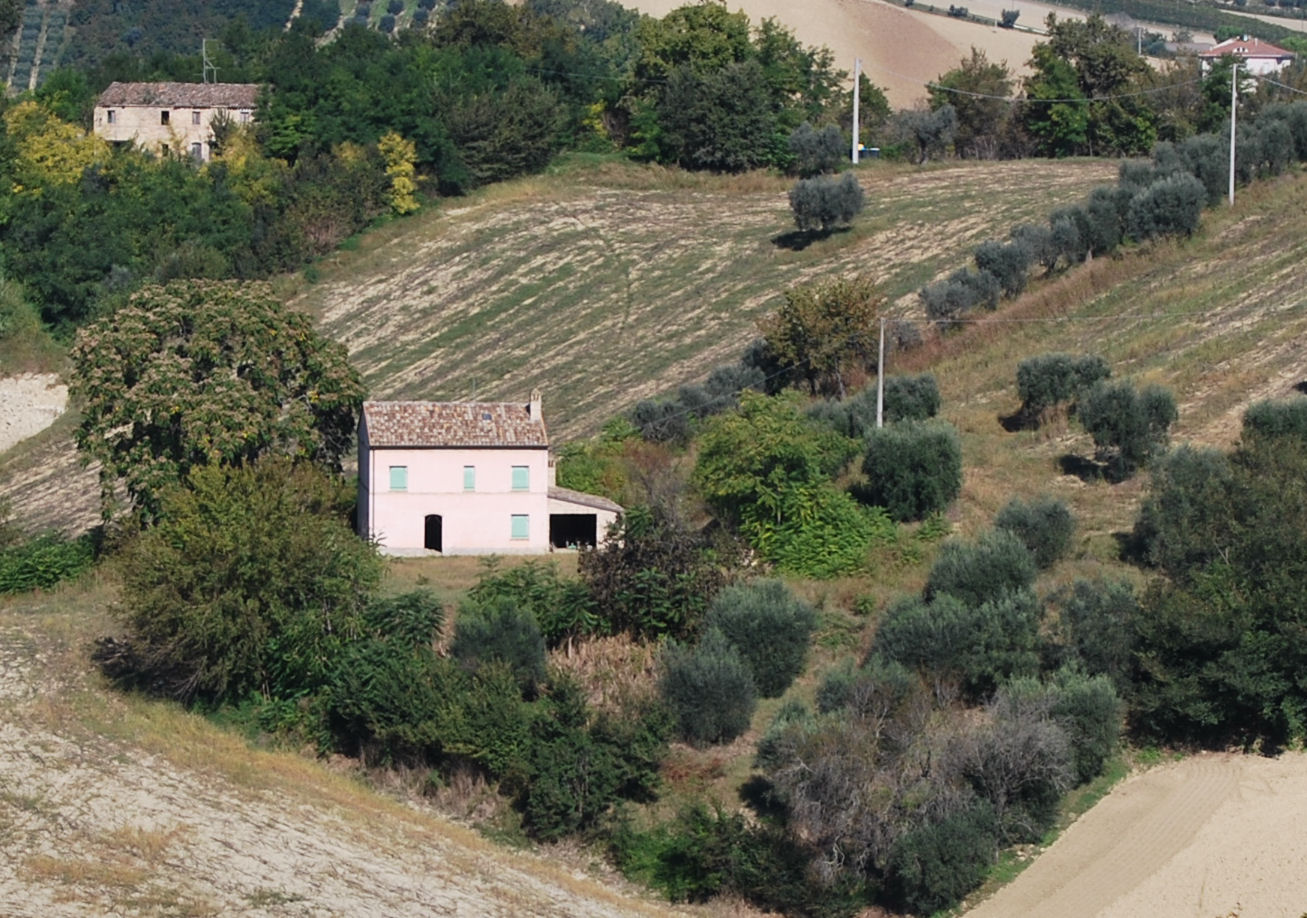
[[501, 632], [1044, 525], [562, 607], [993, 566], [770, 628], [709, 688], [913, 469], [43, 561]]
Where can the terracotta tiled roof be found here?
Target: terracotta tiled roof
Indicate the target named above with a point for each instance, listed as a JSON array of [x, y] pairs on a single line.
[[452, 424], [181, 95], [593, 501], [1246, 48]]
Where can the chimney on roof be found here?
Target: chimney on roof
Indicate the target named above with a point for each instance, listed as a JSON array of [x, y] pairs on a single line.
[[533, 410]]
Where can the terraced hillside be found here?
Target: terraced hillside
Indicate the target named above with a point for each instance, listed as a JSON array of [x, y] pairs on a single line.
[[616, 284]]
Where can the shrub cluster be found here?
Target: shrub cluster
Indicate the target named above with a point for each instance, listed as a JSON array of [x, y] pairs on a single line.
[[816, 152], [770, 628], [43, 561], [907, 398], [1130, 427], [824, 202], [1043, 525], [913, 469], [672, 420], [709, 688], [1048, 380]]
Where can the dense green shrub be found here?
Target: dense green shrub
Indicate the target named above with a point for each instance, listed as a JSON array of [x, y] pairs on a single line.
[[996, 565], [816, 151], [769, 626], [1008, 262], [1184, 522], [822, 203], [970, 648], [501, 631], [1047, 380], [1106, 215], [251, 582], [661, 421], [1097, 619], [43, 561], [709, 688], [384, 701], [1170, 206], [1036, 239], [1277, 418], [1088, 709], [913, 469], [822, 532], [654, 577], [1129, 427], [562, 607], [704, 853], [1070, 229], [933, 866], [578, 771], [1044, 525]]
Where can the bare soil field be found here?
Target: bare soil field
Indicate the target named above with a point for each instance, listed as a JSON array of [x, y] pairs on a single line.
[[112, 805], [28, 405], [901, 49], [1211, 836]]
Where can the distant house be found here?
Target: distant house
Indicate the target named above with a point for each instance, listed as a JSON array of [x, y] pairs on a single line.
[[172, 118], [1259, 57], [464, 478]]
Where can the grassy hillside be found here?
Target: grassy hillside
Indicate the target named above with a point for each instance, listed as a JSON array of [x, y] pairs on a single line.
[[609, 283]]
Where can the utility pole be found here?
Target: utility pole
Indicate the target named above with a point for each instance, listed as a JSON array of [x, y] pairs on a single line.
[[1234, 105], [880, 379], [210, 71], [857, 80]]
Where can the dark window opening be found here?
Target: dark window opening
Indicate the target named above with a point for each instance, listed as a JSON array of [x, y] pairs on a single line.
[[432, 538], [163, 117], [572, 530]]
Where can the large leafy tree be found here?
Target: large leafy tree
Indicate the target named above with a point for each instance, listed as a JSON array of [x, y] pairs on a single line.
[[977, 89], [201, 373], [825, 329], [1108, 74]]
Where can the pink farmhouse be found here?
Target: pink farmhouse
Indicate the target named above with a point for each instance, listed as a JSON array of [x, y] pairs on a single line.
[[465, 478]]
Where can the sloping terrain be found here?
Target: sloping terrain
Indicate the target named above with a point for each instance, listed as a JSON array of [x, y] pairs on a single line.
[[111, 805], [620, 284], [1212, 836]]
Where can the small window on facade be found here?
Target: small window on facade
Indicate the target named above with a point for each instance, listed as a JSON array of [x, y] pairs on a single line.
[[399, 478], [521, 478], [195, 117], [197, 152], [163, 116], [111, 116], [521, 526], [469, 478], [244, 116]]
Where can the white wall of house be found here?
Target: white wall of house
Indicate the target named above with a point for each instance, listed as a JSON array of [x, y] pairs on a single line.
[[490, 500]]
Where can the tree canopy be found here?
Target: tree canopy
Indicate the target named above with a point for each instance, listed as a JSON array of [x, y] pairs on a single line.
[[207, 373]]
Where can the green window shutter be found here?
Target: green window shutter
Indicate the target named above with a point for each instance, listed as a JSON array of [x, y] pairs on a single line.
[[469, 478], [399, 478], [521, 478], [521, 526]]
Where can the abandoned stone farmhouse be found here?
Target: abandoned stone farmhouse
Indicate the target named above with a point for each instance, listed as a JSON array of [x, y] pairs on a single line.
[[172, 118]]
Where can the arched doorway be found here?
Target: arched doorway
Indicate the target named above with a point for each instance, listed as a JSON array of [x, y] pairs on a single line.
[[432, 539]]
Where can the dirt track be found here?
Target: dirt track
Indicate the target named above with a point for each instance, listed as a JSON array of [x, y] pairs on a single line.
[[1212, 836]]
